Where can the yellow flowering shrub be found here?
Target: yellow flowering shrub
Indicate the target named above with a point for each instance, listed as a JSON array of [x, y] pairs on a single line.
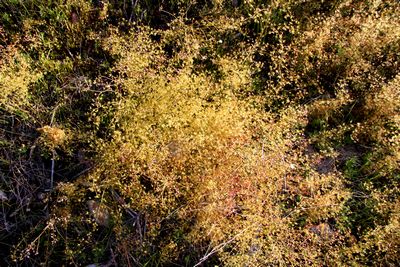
[[199, 133]]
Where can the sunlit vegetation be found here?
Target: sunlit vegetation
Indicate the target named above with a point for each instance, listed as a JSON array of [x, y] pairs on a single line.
[[199, 133]]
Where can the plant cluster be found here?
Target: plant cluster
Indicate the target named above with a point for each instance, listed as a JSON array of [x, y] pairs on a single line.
[[199, 133]]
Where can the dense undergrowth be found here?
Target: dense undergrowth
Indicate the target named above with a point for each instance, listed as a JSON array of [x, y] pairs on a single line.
[[199, 133]]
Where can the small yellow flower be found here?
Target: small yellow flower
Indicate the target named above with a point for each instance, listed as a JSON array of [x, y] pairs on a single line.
[[52, 136]]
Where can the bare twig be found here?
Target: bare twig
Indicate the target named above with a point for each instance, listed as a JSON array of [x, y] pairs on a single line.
[[52, 171], [139, 220], [82, 172], [53, 114], [134, 214], [221, 246]]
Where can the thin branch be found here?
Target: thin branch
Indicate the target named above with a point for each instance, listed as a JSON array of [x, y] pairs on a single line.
[[221, 246], [52, 171]]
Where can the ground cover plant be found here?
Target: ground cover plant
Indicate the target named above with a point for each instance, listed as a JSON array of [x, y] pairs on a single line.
[[199, 133]]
